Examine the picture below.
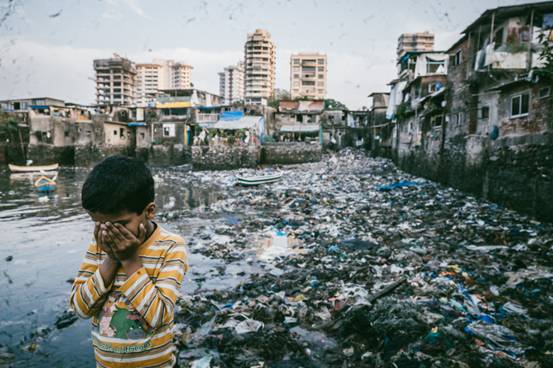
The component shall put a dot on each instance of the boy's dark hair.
(116, 184)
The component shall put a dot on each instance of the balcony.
(206, 118)
(493, 58)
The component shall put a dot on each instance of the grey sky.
(47, 47)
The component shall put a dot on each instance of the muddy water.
(43, 240)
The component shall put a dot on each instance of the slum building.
(379, 134)
(487, 127)
(296, 134)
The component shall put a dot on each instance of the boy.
(131, 275)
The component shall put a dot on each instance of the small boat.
(258, 180)
(45, 184)
(33, 169)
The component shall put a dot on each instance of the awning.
(300, 128)
(137, 124)
(246, 122)
(173, 105)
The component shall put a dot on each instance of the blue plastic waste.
(399, 184)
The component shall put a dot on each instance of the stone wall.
(225, 157)
(44, 154)
(166, 154)
(87, 155)
(516, 173)
(290, 153)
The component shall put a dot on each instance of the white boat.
(257, 180)
(33, 169)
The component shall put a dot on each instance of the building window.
(321, 61)
(460, 118)
(485, 112)
(545, 92)
(115, 132)
(433, 67)
(520, 105)
(454, 119)
(458, 57)
(168, 130)
(498, 38)
(436, 120)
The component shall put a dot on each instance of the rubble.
(416, 274)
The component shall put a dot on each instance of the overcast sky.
(47, 47)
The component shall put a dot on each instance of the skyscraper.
(259, 56)
(308, 75)
(231, 83)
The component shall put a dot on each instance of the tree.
(546, 55)
(331, 104)
(278, 95)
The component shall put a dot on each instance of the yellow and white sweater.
(132, 319)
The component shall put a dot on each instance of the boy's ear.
(150, 211)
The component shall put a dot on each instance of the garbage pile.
(377, 268)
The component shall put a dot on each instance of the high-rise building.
(114, 81)
(308, 75)
(259, 56)
(231, 83)
(158, 75)
(415, 42)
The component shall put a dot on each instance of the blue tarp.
(136, 124)
(40, 107)
(231, 115)
(399, 184)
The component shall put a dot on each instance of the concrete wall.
(290, 153)
(116, 134)
(225, 157)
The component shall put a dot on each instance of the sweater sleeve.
(155, 300)
(89, 293)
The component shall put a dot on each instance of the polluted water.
(347, 262)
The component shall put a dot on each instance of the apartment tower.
(259, 68)
(115, 79)
(415, 42)
(231, 83)
(160, 74)
(308, 76)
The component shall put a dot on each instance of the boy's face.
(130, 220)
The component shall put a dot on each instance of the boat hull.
(32, 169)
(257, 180)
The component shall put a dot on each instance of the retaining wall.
(290, 153)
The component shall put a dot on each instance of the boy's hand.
(123, 242)
(101, 241)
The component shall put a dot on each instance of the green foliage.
(403, 111)
(8, 128)
(273, 103)
(331, 104)
(546, 55)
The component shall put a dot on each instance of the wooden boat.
(258, 180)
(33, 169)
(45, 184)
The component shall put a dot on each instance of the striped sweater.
(132, 319)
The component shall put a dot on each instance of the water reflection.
(44, 237)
